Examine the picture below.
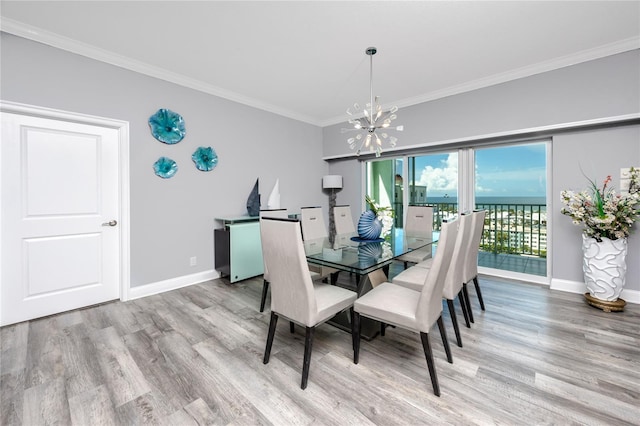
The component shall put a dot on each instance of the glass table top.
(363, 257)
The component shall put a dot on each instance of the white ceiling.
(306, 60)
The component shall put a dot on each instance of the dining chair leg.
(463, 304)
(432, 368)
(445, 341)
(265, 288)
(454, 320)
(466, 298)
(351, 317)
(292, 327)
(272, 332)
(382, 327)
(308, 342)
(475, 282)
(355, 335)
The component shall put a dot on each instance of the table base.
(369, 328)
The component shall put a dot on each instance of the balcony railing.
(508, 228)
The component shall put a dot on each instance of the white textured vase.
(604, 266)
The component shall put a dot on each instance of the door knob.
(110, 223)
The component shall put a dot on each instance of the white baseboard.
(171, 284)
(511, 275)
(630, 296)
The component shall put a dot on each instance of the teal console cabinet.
(238, 249)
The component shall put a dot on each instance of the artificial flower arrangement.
(601, 211)
(385, 214)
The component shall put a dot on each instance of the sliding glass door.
(509, 181)
(511, 184)
(430, 180)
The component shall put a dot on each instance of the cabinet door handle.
(110, 223)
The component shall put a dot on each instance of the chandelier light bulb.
(374, 118)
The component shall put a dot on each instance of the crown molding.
(55, 40)
(520, 134)
(621, 46)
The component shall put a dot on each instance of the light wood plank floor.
(194, 356)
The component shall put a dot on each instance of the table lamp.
(332, 182)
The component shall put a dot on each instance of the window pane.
(433, 181)
(511, 185)
(382, 176)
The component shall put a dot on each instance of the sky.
(513, 171)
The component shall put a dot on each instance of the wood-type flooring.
(193, 356)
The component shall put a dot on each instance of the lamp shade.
(332, 182)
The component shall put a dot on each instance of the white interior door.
(60, 216)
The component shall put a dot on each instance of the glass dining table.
(368, 261)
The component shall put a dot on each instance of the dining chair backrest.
(312, 221)
(292, 294)
(281, 213)
(470, 269)
(419, 221)
(430, 301)
(343, 220)
(454, 279)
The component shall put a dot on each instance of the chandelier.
(372, 127)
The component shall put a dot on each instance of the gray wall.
(597, 153)
(173, 219)
(351, 193)
(589, 91)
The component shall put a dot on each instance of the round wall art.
(167, 126)
(205, 158)
(165, 167)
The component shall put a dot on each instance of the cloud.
(443, 178)
(511, 177)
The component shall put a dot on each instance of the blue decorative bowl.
(167, 126)
(205, 158)
(165, 167)
(369, 226)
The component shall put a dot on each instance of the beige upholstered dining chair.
(312, 222)
(343, 220)
(470, 270)
(313, 228)
(293, 294)
(418, 223)
(411, 309)
(279, 213)
(415, 277)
